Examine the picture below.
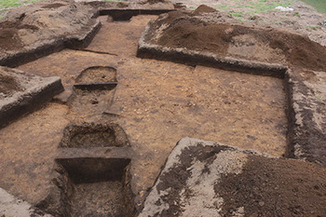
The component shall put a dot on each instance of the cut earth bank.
(137, 111)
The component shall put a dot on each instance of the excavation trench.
(156, 103)
(96, 187)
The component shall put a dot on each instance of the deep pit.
(96, 187)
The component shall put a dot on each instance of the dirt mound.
(201, 33)
(275, 187)
(34, 24)
(204, 9)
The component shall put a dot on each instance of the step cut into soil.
(22, 93)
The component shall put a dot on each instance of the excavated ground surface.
(203, 30)
(274, 187)
(155, 103)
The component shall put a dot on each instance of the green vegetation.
(14, 3)
(313, 27)
(254, 7)
(320, 5)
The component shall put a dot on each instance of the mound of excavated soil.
(275, 187)
(202, 30)
(203, 178)
(42, 22)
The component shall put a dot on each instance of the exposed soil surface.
(183, 30)
(8, 85)
(97, 74)
(156, 103)
(88, 135)
(303, 20)
(96, 187)
(27, 152)
(272, 187)
(9, 38)
(54, 5)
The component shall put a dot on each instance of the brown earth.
(157, 102)
(9, 38)
(8, 85)
(185, 30)
(275, 187)
(304, 20)
(54, 5)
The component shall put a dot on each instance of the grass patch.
(14, 3)
(254, 6)
(320, 5)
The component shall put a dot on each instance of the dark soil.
(188, 32)
(9, 38)
(87, 136)
(204, 9)
(8, 85)
(275, 187)
(54, 5)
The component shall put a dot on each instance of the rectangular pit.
(97, 187)
(93, 135)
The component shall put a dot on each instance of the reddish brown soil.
(273, 187)
(189, 32)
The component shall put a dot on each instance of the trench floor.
(156, 102)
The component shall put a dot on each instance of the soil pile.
(198, 31)
(42, 22)
(275, 187)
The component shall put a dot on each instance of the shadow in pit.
(92, 175)
(127, 14)
(93, 135)
(95, 187)
(97, 78)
